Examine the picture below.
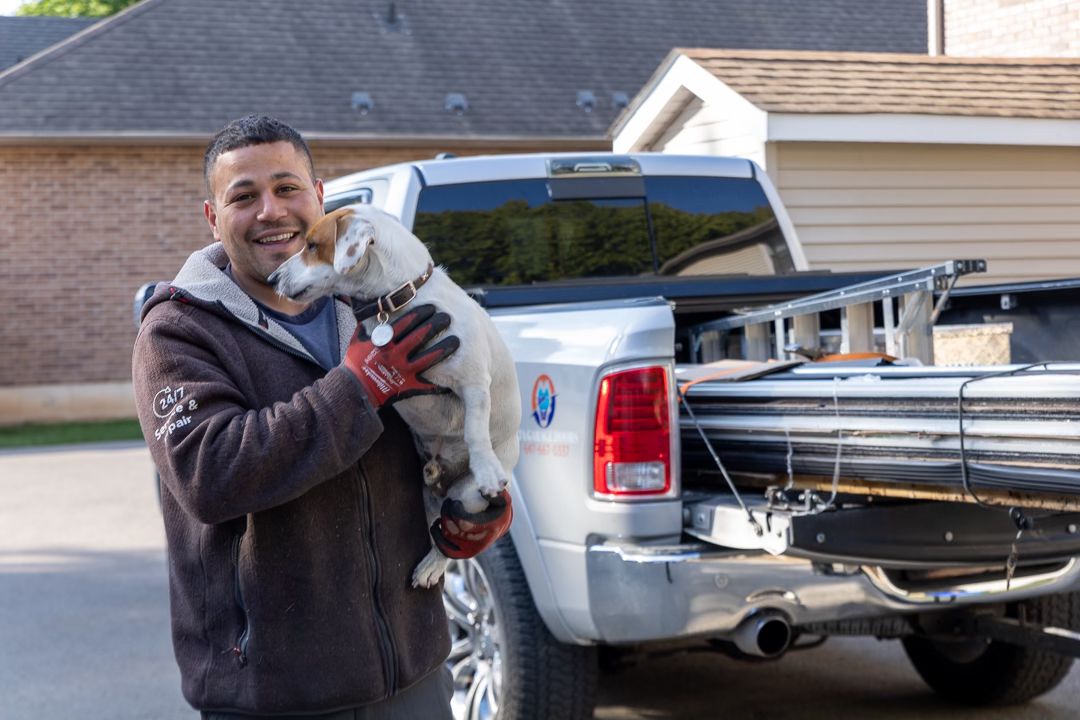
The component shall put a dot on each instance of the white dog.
(469, 437)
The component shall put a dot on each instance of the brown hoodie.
(293, 511)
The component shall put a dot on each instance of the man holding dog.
(291, 491)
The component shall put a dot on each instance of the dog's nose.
(273, 278)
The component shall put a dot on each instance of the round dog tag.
(381, 335)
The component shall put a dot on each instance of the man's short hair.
(251, 130)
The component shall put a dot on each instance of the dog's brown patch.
(322, 237)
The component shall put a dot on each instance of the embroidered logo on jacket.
(175, 408)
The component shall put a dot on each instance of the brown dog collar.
(396, 299)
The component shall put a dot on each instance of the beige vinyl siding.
(869, 206)
(710, 129)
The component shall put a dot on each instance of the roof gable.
(185, 67)
(861, 97)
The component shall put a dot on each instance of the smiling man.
(291, 492)
(262, 199)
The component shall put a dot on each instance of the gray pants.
(428, 699)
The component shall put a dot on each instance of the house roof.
(21, 37)
(185, 67)
(777, 95)
(841, 82)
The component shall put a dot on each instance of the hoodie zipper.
(389, 655)
(240, 649)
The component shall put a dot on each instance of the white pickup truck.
(643, 527)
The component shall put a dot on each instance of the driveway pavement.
(83, 591)
(84, 623)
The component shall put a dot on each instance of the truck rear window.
(512, 232)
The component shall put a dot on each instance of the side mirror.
(141, 296)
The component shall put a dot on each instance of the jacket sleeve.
(222, 460)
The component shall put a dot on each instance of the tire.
(984, 673)
(505, 663)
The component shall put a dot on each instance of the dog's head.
(355, 250)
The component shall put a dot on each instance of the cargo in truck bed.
(1015, 429)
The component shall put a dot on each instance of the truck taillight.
(632, 454)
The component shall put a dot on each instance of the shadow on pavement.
(86, 635)
(845, 678)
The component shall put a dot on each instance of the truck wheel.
(982, 672)
(505, 663)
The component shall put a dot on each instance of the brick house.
(101, 136)
(1004, 28)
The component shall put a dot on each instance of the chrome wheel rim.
(476, 651)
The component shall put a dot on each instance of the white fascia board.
(633, 132)
(943, 129)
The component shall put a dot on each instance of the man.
(291, 492)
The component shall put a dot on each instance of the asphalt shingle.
(21, 37)
(185, 67)
(802, 82)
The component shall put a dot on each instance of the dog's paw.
(490, 477)
(430, 570)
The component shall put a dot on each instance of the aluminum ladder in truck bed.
(911, 337)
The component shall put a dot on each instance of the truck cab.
(521, 219)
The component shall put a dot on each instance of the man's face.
(264, 200)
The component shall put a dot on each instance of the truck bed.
(1016, 432)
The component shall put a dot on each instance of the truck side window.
(358, 196)
(715, 226)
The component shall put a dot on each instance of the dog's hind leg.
(488, 472)
(430, 570)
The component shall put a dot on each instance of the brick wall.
(1012, 28)
(82, 226)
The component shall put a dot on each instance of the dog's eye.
(311, 246)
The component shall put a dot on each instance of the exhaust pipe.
(765, 634)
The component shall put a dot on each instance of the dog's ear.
(353, 237)
(324, 233)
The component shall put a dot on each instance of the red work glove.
(392, 372)
(459, 534)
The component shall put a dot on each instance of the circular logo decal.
(543, 401)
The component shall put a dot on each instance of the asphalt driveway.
(84, 622)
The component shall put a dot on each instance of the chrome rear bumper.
(647, 592)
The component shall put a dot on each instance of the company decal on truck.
(545, 442)
(543, 401)
(552, 443)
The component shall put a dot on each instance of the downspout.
(935, 27)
